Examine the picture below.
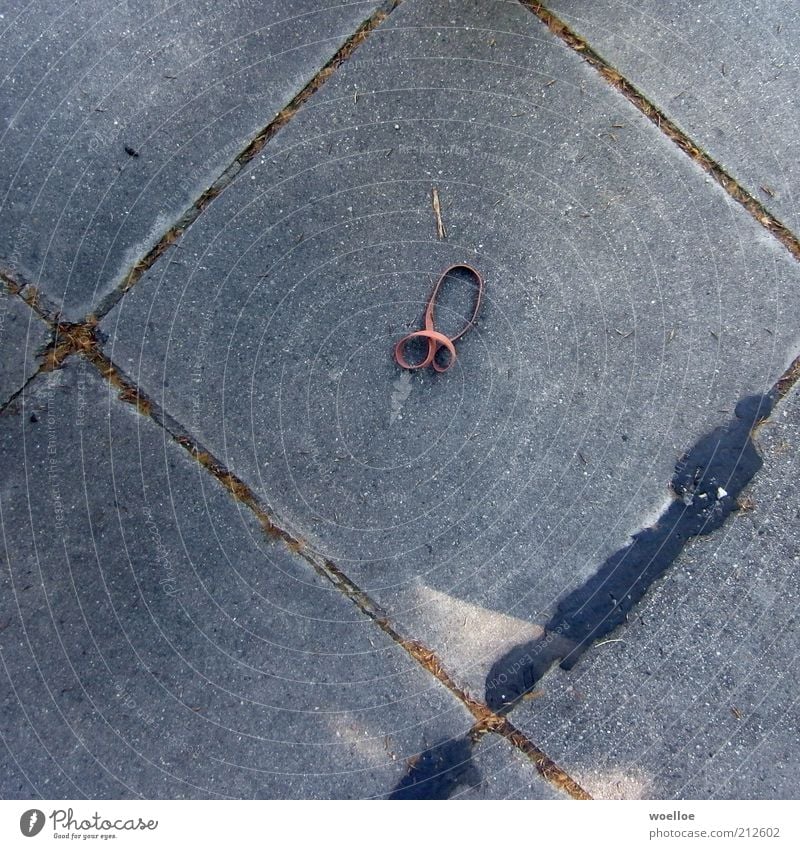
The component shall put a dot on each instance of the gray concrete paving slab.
(116, 117)
(629, 305)
(726, 73)
(154, 643)
(22, 335)
(697, 697)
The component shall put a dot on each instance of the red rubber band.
(437, 340)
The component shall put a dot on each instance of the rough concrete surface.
(115, 117)
(726, 73)
(245, 554)
(154, 643)
(696, 697)
(623, 290)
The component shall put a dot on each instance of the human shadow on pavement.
(705, 487)
(439, 771)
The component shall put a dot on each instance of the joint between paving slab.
(30, 295)
(669, 128)
(788, 379)
(33, 298)
(251, 150)
(81, 340)
(547, 768)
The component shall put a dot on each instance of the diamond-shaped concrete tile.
(697, 697)
(115, 117)
(727, 73)
(154, 643)
(629, 305)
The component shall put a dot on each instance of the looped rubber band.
(435, 339)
